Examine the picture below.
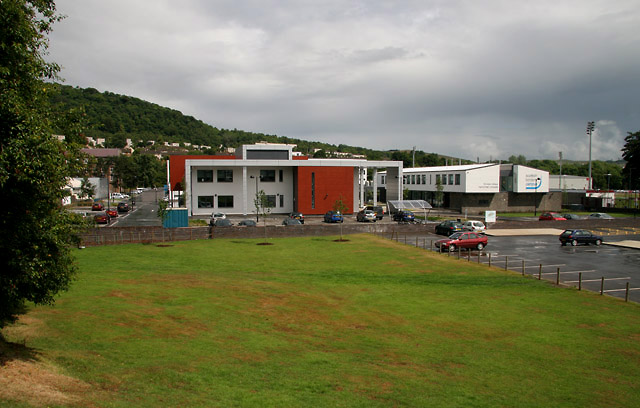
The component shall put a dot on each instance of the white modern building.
(479, 187)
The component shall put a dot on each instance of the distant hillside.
(112, 116)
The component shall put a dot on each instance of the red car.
(102, 218)
(97, 207)
(465, 240)
(551, 216)
(112, 213)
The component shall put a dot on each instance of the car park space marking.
(567, 272)
(598, 280)
(620, 290)
(526, 231)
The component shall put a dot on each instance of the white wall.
(243, 192)
(530, 180)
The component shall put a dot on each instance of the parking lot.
(543, 256)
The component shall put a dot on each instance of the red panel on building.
(319, 187)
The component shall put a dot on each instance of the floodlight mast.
(590, 127)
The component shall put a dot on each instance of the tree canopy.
(631, 154)
(34, 166)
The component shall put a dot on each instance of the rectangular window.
(413, 179)
(438, 179)
(418, 179)
(281, 200)
(205, 176)
(267, 176)
(382, 179)
(205, 201)
(444, 179)
(271, 201)
(457, 179)
(280, 175)
(225, 201)
(313, 190)
(225, 176)
(424, 179)
(450, 179)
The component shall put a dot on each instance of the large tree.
(631, 154)
(36, 231)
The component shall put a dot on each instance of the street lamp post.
(535, 198)
(590, 127)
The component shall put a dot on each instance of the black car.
(222, 222)
(575, 237)
(123, 207)
(291, 221)
(298, 216)
(448, 227)
(404, 216)
(572, 217)
(247, 223)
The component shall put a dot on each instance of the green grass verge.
(313, 322)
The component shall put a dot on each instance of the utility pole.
(414, 157)
(560, 180)
(590, 127)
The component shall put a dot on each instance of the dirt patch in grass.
(35, 383)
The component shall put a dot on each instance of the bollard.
(459, 252)
(489, 259)
(580, 281)
(431, 246)
(405, 239)
(417, 246)
(558, 276)
(478, 256)
(468, 255)
(540, 272)
(626, 295)
(506, 263)
(523, 267)
(602, 286)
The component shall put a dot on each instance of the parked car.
(376, 209)
(404, 216)
(476, 226)
(102, 218)
(123, 207)
(298, 216)
(466, 240)
(119, 196)
(600, 216)
(551, 216)
(247, 223)
(112, 213)
(577, 236)
(572, 217)
(366, 216)
(217, 216)
(448, 227)
(97, 207)
(222, 222)
(333, 216)
(291, 221)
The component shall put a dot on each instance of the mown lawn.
(313, 322)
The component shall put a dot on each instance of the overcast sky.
(472, 79)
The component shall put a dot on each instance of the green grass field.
(313, 322)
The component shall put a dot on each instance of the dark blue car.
(404, 216)
(333, 216)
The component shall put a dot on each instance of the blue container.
(176, 218)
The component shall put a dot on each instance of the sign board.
(489, 216)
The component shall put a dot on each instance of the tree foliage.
(34, 166)
(631, 154)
